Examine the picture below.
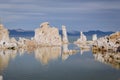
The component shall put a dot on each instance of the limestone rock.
(4, 35)
(47, 36)
(82, 39)
(26, 43)
(94, 37)
(64, 32)
(111, 42)
(13, 40)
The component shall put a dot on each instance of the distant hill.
(98, 32)
(89, 33)
(21, 32)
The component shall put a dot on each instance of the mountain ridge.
(21, 32)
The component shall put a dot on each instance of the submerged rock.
(47, 36)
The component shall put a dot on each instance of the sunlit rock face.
(4, 35)
(111, 42)
(64, 32)
(5, 41)
(47, 36)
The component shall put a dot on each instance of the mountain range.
(21, 32)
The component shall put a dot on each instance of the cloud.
(85, 11)
(58, 7)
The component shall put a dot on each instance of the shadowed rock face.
(47, 36)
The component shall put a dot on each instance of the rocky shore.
(49, 36)
(45, 36)
(107, 43)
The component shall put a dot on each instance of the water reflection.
(1, 77)
(46, 54)
(83, 48)
(110, 58)
(5, 56)
(42, 54)
(82, 51)
(67, 52)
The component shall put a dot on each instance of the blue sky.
(80, 15)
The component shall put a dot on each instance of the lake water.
(50, 63)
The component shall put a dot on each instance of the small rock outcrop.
(64, 33)
(82, 39)
(47, 36)
(4, 34)
(94, 37)
(107, 43)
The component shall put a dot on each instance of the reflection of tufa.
(66, 52)
(84, 50)
(1, 77)
(5, 56)
(108, 58)
(46, 54)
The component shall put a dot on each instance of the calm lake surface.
(48, 63)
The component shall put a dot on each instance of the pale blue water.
(45, 64)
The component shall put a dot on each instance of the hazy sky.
(80, 15)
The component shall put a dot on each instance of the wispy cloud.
(61, 10)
